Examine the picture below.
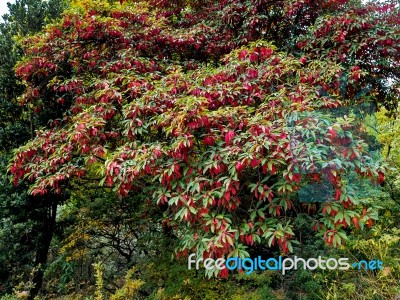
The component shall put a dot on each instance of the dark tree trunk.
(43, 246)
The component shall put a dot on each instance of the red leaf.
(242, 55)
(252, 73)
(296, 178)
(229, 136)
(273, 169)
(109, 181)
(227, 196)
(224, 273)
(332, 133)
(355, 222)
(116, 171)
(338, 193)
(239, 166)
(253, 57)
(381, 177)
(208, 140)
(254, 162)
(265, 52)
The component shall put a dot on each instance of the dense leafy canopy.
(187, 105)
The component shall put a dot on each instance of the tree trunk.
(43, 246)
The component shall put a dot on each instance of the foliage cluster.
(146, 130)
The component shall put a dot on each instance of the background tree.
(26, 222)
